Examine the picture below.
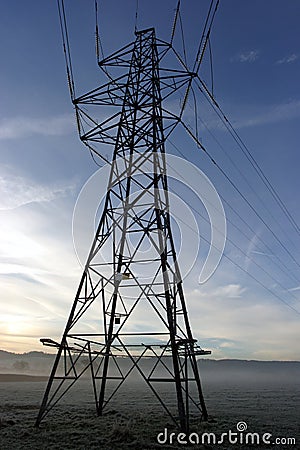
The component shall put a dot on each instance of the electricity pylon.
(131, 291)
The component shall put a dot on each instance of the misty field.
(267, 400)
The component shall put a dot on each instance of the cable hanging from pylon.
(136, 16)
(175, 22)
(205, 35)
(98, 43)
(66, 46)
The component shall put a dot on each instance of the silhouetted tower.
(131, 292)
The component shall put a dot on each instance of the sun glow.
(18, 245)
(14, 324)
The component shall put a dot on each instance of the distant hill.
(12, 377)
(212, 371)
(36, 363)
(249, 371)
(4, 353)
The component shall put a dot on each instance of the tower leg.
(44, 404)
(192, 355)
(106, 359)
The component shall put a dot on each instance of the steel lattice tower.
(131, 274)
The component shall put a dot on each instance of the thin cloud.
(246, 57)
(230, 291)
(256, 116)
(17, 191)
(21, 127)
(272, 114)
(21, 276)
(247, 324)
(297, 288)
(251, 248)
(288, 59)
(262, 253)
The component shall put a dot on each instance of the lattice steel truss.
(131, 292)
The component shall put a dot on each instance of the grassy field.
(268, 402)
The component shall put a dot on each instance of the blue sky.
(43, 165)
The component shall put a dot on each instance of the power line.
(228, 204)
(234, 262)
(97, 37)
(201, 146)
(211, 67)
(244, 148)
(136, 16)
(66, 46)
(205, 36)
(284, 269)
(237, 168)
(201, 48)
(246, 271)
(242, 175)
(182, 38)
(175, 22)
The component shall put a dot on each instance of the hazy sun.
(14, 324)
